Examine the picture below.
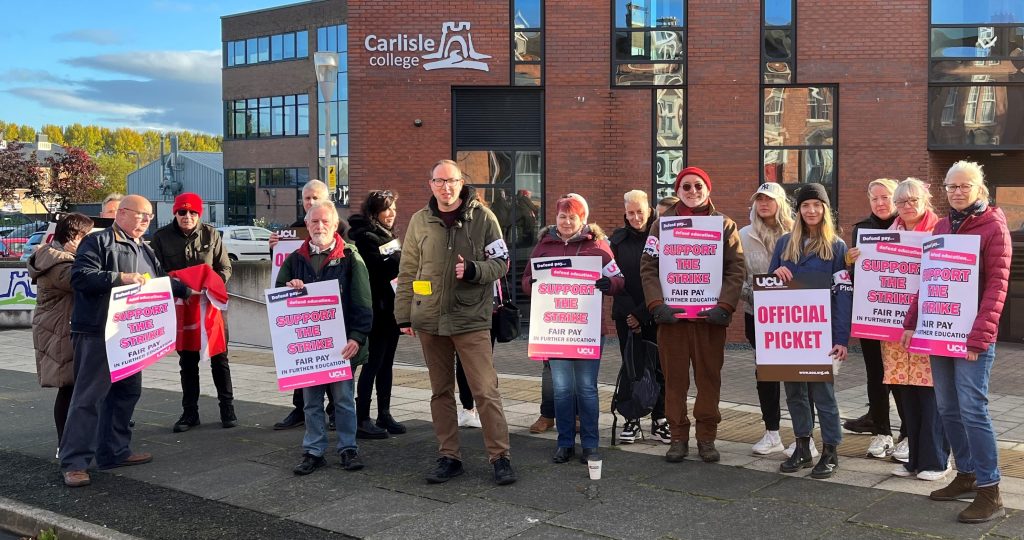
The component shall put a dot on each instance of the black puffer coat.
(382, 253)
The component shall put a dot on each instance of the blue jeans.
(961, 393)
(315, 440)
(575, 387)
(799, 396)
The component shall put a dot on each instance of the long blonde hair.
(819, 244)
(783, 224)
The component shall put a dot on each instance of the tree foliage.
(16, 172)
(71, 178)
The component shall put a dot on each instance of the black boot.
(367, 430)
(189, 419)
(386, 421)
(227, 415)
(801, 458)
(827, 463)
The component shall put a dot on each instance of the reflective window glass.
(799, 166)
(276, 47)
(670, 117)
(969, 116)
(778, 72)
(301, 44)
(649, 74)
(239, 53)
(303, 119)
(527, 14)
(343, 38)
(253, 54)
(970, 42)
(649, 13)
(288, 46)
(527, 46)
(656, 45)
(778, 12)
(229, 53)
(289, 120)
(264, 48)
(527, 75)
(778, 43)
(798, 116)
(977, 11)
(667, 164)
(971, 70)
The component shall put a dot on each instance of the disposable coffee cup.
(594, 468)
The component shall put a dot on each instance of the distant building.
(197, 172)
(43, 148)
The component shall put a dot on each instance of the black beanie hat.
(812, 191)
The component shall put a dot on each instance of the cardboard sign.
(888, 274)
(142, 326)
(948, 300)
(307, 330)
(290, 240)
(793, 327)
(565, 308)
(690, 262)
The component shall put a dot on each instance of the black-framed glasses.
(141, 216)
(906, 202)
(438, 182)
(183, 212)
(696, 186)
(952, 188)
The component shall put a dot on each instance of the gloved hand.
(664, 314)
(604, 284)
(716, 315)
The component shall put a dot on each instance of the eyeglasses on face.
(141, 216)
(696, 186)
(183, 212)
(962, 188)
(908, 202)
(438, 182)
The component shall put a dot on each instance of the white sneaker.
(630, 432)
(792, 448)
(902, 451)
(769, 443)
(661, 431)
(469, 418)
(881, 446)
(932, 476)
(901, 471)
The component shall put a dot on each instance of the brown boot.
(963, 484)
(542, 424)
(707, 451)
(677, 451)
(987, 506)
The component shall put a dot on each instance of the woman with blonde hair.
(814, 248)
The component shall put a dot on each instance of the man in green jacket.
(453, 254)
(323, 257)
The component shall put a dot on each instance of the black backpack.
(637, 388)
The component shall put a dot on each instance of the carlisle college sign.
(454, 50)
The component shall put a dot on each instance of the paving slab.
(913, 513)
(828, 495)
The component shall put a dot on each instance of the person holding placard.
(961, 384)
(699, 341)
(771, 216)
(876, 420)
(814, 247)
(374, 234)
(323, 257)
(574, 380)
(908, 374)
(97, 424)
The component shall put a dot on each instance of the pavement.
(215, 483)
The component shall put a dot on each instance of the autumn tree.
(16, 172)
(54, 133)
(72, 177)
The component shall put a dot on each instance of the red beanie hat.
(692, 170)
(188, 201)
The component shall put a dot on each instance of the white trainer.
(792, 448)
(770, 442)
(901, 471)
(902, 451)
(932, 476)
(469, 418)
(881, 446)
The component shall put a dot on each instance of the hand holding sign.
(664, 314)
(131, 278)
(784, 274)
(350, 349)
(460, 267)
(716, 315)
(295, 284)
(838, 352)
(604, 284)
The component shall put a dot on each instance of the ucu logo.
(336, 374)
(953, 347)
(288, 233)
(768, 281)
(586, 350)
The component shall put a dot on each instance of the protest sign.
(290, 240)
(307, 330)
(793, 327)
(888, 273)
(565, 308)
(948, 300)
(690, 262)
(142, 326)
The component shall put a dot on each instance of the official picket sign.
(565, 308)
(142, 326)
(307, 331)
(291, 239)
(888, 274)
(793, 327)
(948, 302)
(690, 262)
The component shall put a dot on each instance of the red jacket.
(200, 323)
(994, 267)
(591, 241)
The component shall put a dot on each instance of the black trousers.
(929, 450)
(878, 393)
(650, 333)
(377, 371)
(768, 392)
(188, 361)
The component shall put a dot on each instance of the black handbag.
(506, 319)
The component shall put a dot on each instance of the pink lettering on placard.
(697, 235)
(952, 256)
(309, 301)
(899, 249)
(575, 274)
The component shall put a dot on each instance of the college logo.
(454, 50)
(16, 289)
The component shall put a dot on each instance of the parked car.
(246, 243)
(33, 242)
(13, 246)
(4, 231)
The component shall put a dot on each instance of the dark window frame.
(230, 64)
(792, 26)
(512, 45)
(684, 62)
(232, 218)
(231, 108)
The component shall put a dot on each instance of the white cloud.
(96, 36)
(202, 67)
(22, 75)
(68, 100)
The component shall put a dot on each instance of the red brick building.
(538, 98)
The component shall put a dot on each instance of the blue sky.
(144, 64)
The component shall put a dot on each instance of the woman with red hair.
(575, 380)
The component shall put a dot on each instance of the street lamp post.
(138, 160)
(326, 65)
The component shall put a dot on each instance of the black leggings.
(60, 408)
(878, 392)
(378, 371)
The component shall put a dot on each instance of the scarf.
(702, 210)
(927, 223)
(957, 218)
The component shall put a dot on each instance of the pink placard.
(313, 379)
(938, 347)
(547, 351)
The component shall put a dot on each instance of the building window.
(335, 39)
(778, 46)
(527, 43)
(284, 177)
(261, 49)
(649, 43)
(798, 143)
(275, 116)
(975, 86)
(240, 200)
(669, 139)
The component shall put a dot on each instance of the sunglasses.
(183, 213)
(696, 187)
